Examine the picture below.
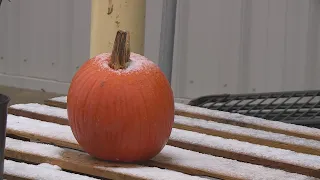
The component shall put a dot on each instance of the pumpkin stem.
(120, 56)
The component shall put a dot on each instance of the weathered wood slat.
(23, 171)
(247, 121)
(47, 113)
(60, 102)
(77, 161)
(260, 137)
(42, 112)
(228, 118)
(186, 161)
(61, 135)
(82, 162)
(51, 133)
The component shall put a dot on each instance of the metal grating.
(296, 107)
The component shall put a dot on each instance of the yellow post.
(108, 16)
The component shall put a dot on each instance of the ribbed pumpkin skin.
(120, 115)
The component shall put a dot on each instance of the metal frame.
(167, 36)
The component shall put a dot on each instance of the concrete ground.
(18, 95)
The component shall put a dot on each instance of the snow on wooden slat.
(39, 111)
(288, 160)
(18, 170)
(54, 133)
(60, 102)
(62, 99)
(59, 115)
(227, 118)
(248, 135)
(174, 158)
(81, 162)
(247, 121)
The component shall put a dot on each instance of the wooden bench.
(204, 144)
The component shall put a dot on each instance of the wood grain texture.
(17, 170)
(273, 163)
(161, 160)
(203, 149)
(231, 153)
(52, 102)
(302, 148)
(71, 160)
(33, 115)
(83, 163)
(247, 125)
(252, 139)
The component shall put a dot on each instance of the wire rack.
(296, 107)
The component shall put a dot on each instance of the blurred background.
(217, 46)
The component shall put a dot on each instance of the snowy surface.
(42, 109)
(46, 150)
(152, 173)
(248, 119)
(211, 164)
(259, 151)
(180, 157)
(247, 132)
(39, 172)
(51, 130)
(62, 99)
(49, 166)
(62, 113)
(237, 118)
(64, 133)
(137, 63)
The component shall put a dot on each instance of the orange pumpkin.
(120, 105)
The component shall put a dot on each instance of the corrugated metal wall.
(221, 46)
(228, 46)
(42, 42)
